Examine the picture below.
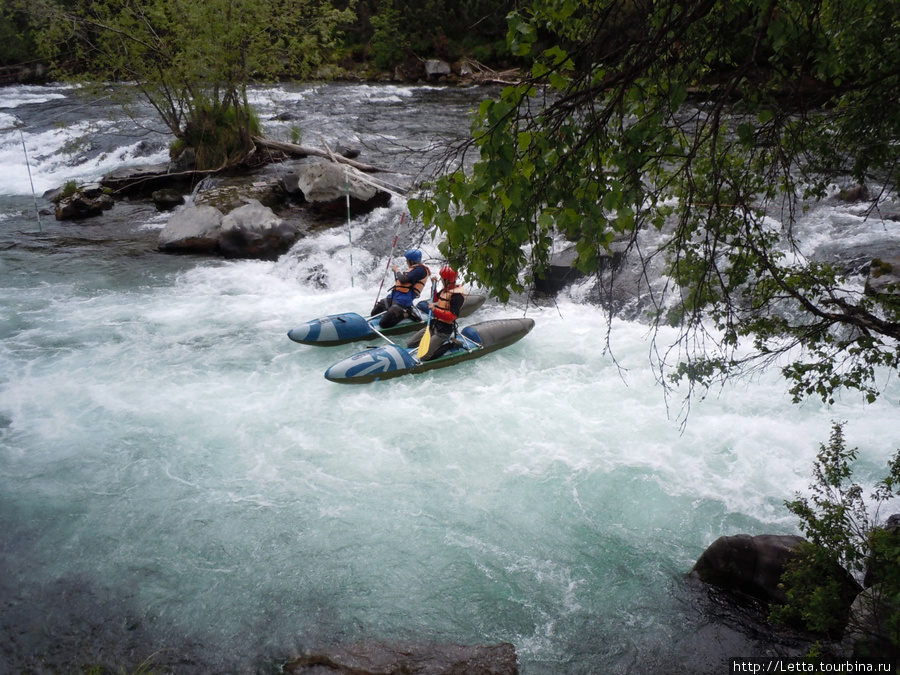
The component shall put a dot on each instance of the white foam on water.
(17, 96)
(54, 157)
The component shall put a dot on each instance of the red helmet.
(448, 274)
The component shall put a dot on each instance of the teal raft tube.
(339, 329)
(393, 360)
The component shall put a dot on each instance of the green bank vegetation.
(192, 61)
(845, 534)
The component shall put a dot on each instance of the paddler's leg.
(379, 307)
(392, 316)
(415, 339)
(439, 337)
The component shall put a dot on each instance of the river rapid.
(179, 483)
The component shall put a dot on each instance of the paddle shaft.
(425, 342)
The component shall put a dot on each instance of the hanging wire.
(37, 212)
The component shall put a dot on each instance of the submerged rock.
(720, 625)
(167, 199)
(389, 658)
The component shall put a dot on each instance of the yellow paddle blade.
(424, 344)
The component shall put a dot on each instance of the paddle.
(390, 259)
(425, 342)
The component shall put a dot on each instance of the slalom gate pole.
(349, 232)
(391, 257)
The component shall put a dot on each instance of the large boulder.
(254, 231)
(387, 658)
(559, 273)
(325, 186)
(869, 627)
(79, 207)
(194, 229)
(249, 231)
(748, 564)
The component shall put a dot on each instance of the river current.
(179, 482)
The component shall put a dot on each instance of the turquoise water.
(164, 441)
(176, 474)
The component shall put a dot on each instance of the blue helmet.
(414, 255)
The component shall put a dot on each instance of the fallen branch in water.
(304, 151)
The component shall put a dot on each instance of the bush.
(389, 44)
(845, 542)
(219, 135)
(819, 591)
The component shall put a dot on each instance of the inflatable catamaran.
(393, 360)
(338, 329)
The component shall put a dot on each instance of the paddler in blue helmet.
(398, 303)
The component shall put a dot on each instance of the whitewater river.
(177, 477)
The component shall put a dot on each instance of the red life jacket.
(442, 311)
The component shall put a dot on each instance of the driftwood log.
(305, 151)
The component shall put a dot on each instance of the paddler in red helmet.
(445, 306)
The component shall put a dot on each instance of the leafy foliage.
(708, 122)
(191, 60)
(818, 598)
(16, 39)
(432, 28)
(217, 135)
(389, 44)
(835, 516)
(843, 538)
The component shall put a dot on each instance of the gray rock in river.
(195, 229)
(884, 276)
(748, 564)
(325, 185)
(250, 231)
(254, 231)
